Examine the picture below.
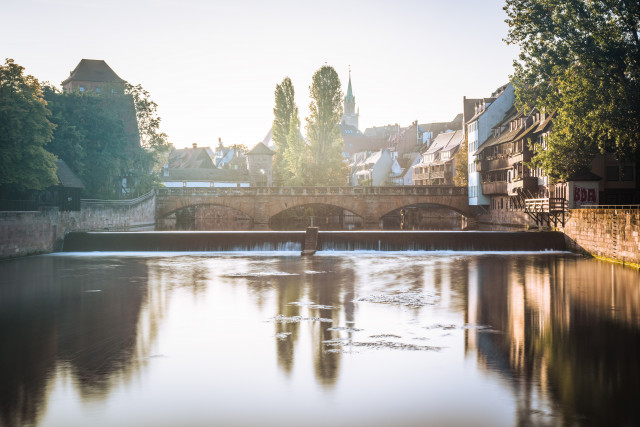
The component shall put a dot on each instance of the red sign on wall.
(584, 196)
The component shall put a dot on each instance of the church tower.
(350, 116)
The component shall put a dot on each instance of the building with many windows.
(487, 113)
(437, 165)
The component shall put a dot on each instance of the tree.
(107, 138)
(284, 113)
(580, 59)
(296, 156)
(25, 129)
(461, 173)
(99, 150)
(155, 143)
(326, 166)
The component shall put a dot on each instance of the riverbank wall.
(608, 232)
(34, 232)
(611, 233)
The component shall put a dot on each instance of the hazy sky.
(212, 66)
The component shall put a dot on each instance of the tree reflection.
(27, 341)
(57, 312)
(318, 288)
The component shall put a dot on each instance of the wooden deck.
(546, 211)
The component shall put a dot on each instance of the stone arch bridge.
(262, 203)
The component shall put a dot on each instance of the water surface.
(348, 339)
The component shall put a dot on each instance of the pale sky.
(212, 66)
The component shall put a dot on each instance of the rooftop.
(93, 70)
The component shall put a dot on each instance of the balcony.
(494, 164)
(520, 157)
(497, 187)
(527, 184)
(420, 176)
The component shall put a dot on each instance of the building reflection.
(566, 335)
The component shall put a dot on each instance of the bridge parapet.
(408, 190)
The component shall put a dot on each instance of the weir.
(221, 241)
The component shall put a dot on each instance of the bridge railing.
(314, 191)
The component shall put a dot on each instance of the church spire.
(349, 97)
(349, 116)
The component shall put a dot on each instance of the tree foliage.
(581, 59)
(25, 129)
(326, 166)
(91, 139)
(296, 157)
(106, 138)
(461, 173)
(155, 143)
(284, 112)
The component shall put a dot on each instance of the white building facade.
(489, 112)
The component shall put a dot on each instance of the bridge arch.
(426, 205)
(205, 216)
(423, 216)
(325, 215)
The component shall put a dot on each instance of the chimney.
(195, 145)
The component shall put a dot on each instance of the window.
(627, 173)
(97, 90)
(81, 88)
(613, 173)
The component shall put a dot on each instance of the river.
(341, 338)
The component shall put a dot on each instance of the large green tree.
(326, 165)
(25, 129)
(107, 138)
(90, 137)
(284, 112)
(155, 143)
(296, 156)
(581, 59)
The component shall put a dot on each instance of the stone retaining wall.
(505, 217)
(612, 233)
(28, 233)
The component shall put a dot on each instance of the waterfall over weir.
(221, 241)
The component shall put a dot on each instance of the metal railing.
(621, 207)
(128, 202)
(19, 205)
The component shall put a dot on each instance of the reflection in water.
(570, 340)
(375, 339)
(66, 315)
